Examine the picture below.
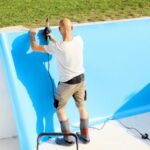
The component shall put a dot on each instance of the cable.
(144, 136)
(46, 31)
(52, 83)
(102, 127)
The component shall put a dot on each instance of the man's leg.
(62, 96)
(80, 97)
(84, 123)
(64, 124)
(61, 114)
(83, 112)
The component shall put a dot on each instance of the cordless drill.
(47, 31)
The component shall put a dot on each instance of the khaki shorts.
(65, 91)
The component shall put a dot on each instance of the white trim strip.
(113, 21)
(90, 23)
(106, 22)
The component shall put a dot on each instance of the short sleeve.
(53, 48)
(50, 48)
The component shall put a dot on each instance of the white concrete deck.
(112, 137)
(9, 144)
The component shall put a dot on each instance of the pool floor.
(112, 136)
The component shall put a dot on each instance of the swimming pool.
(117, 74)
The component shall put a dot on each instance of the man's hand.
(33, 31)
(53, 38)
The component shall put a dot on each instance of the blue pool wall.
(117, 75)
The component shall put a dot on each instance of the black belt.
(76, 79)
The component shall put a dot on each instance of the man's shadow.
(32, 73)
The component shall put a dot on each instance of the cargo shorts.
(65, 91)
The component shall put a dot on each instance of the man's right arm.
(35, 46)
(53, 39)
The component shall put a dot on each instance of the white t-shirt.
(69, 55)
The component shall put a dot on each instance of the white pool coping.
(113, 136)
(22, 28)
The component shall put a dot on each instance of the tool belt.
(76, 79)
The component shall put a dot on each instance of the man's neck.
(67, 37)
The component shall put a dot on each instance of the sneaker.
(63, 142)
(83, 139)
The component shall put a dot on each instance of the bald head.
(65, 25)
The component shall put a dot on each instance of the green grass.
(32, 13)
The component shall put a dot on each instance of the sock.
(65, 128)
(84, 128)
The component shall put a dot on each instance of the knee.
(80, 104)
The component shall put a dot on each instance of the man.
(69, 56)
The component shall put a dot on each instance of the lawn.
(32, 13)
